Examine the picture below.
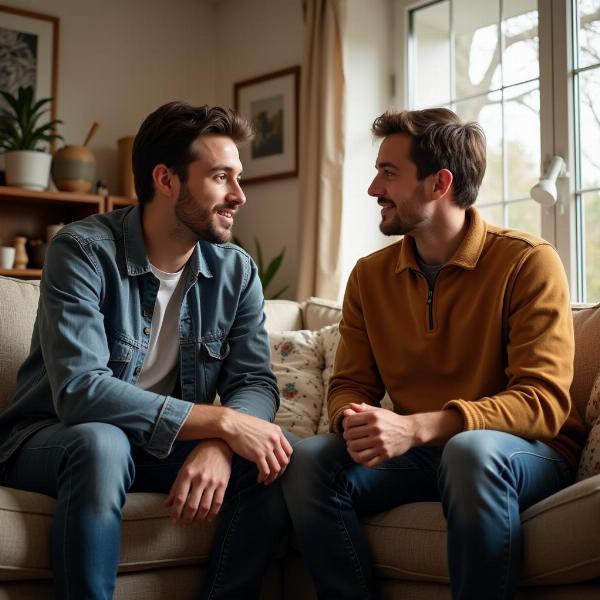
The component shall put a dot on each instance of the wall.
(119, 60)
(368, 68)
(254, 38)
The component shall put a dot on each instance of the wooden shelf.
(113, 202)
(28, 213)
(31, 196)
(22, 273)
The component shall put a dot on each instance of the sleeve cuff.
(473, 419)
(172, 416)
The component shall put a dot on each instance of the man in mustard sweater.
(468, 328)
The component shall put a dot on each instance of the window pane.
(487, 111)
(589, 32)
(591, 219)
(522, 133)
(520, 36)
(431, 47)
(492, 214)
(525, 216)
(476, 47)
(589, 127)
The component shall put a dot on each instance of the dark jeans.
(483, 479)
(89, 468)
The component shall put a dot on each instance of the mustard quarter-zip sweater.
(492, 339)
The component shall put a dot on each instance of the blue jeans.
(483, 479)
(89, 468)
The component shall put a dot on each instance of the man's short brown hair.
(166, 137)
(441, 140)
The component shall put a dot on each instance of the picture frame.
(29, 51)
(270, 102)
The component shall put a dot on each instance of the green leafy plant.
(19, 129)
(266, 274)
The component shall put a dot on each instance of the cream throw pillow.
(589, 464)
(297, 362)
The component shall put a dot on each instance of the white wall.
(368, 69)
(121, 59)
(254, 38)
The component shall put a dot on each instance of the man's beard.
(200, 221)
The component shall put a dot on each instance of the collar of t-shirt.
(430, 271)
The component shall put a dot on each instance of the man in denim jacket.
(145, 314)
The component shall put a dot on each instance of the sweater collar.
(467, 254)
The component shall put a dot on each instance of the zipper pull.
(430, 297)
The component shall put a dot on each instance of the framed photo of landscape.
(270, 102)
(28, 53)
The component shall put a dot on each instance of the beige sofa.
(159, 560)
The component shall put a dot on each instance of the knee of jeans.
(468, 455)
(313, 457)
(101, 451)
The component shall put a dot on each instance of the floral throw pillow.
(329, 338)
(297, 364)
(589, 464)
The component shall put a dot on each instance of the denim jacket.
(92, 331)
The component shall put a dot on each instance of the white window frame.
(557, 134)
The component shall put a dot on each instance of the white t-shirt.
(159, 371)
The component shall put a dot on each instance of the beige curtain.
(321, 149)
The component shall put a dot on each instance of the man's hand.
(258, 441)
(198, 491)
(374, 435)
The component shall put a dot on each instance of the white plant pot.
(27, 169)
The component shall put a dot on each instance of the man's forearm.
(436, 428)
(205, 421)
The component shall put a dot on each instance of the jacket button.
(138, 370)
(147, 312)
(147, 330)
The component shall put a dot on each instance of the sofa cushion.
(409, 542)
(297, 362)
(586, 323)
(149, 539)
(18, 307)
(318, 313)
(283, 315)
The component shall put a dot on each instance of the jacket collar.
(135, 249)
(466, 255)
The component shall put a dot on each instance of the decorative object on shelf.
(101, 188)
(36, 250)
(52, 230)
(21, 258)
(7, 257)
(271, 103)
(26, 161)
(265, 274)
(74, 167)
(126, 185)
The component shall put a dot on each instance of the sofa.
(160, 560)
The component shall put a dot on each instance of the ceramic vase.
(74, 169)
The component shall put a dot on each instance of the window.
(482, 59)
(586, 81)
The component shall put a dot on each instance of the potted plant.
(27, 162)
(266, 273)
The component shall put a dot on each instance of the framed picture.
(28, 53)
(270, 102)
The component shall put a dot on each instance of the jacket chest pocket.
(121, 355)
(212, 355)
